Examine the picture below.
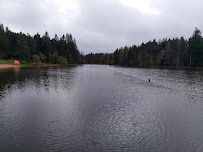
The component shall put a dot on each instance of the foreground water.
(100, 108)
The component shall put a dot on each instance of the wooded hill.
(176, 52)
(23, 47)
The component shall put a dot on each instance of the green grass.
(6, 62)
(10, 62)
(26, 64)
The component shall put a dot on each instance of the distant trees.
(46, 45)
(167, 52)
(174, 52)
(99, 58)
(22, 51)
(22, 47)
(4, 48)
(195, 50)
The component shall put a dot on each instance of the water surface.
(101, 108)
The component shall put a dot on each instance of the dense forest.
(177, 52)
(39, 48)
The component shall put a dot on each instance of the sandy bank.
(2, 66)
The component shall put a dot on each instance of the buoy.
(149, 80)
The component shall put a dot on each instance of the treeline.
(99, 58)
(38, 48)
(167, 52)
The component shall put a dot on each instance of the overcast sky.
(104, 25)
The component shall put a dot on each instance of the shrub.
(36, 59)
(62, 61)
(42, 57)
(57, 59)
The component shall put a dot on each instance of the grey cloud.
(103, 25)
(22, 15)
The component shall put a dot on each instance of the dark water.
(101, 108)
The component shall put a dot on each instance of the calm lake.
(101, 108)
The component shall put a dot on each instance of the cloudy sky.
(104, 25)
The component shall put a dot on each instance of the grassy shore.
(9, 63)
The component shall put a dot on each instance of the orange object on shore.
(16, 62)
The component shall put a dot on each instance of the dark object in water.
(149, 80)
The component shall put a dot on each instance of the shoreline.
(166, 67)
(153, 67)
(4, 66)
